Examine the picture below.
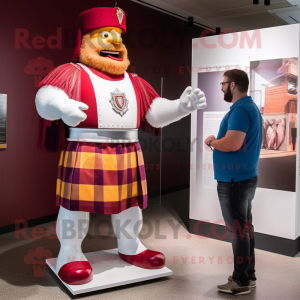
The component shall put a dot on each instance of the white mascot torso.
(125, 105)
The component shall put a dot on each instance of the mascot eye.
(105, 34)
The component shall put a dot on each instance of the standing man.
(236, 154)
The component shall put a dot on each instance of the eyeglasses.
(222, 83)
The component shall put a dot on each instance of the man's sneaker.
(252, 283)
(234, 287)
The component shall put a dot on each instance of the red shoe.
(76, 272)
(147, 259)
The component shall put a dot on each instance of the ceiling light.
(190, 21)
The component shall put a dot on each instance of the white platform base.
(110, 271)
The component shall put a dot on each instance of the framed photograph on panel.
(3, 117)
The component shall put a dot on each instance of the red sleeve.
(66, 77)
(145, 94)
(51, 134)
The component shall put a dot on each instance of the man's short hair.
(240, 78)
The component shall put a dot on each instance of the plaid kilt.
(102, 178)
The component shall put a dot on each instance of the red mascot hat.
(98, 17)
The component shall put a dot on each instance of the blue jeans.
(236, 203)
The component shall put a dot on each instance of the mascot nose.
(116, 38)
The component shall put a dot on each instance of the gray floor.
(278, 276)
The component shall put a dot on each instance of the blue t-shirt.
(239, 165)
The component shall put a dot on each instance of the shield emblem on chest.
(119, 102)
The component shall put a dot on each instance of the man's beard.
(227, 95)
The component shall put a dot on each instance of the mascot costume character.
(101, 168)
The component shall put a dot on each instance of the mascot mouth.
(114, 55)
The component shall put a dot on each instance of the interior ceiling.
(235, 14)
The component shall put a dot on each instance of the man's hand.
(71, 112)
(231, 142)
(208, 139)
(192, 100)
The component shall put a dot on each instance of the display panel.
(276, 204)
(274, 88)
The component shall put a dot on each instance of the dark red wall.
(159, 45)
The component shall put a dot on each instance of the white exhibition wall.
(275, 211)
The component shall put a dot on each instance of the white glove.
(192, 100)
(53, 103)
(163, 112)
(71, 112)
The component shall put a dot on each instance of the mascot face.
(102, 49)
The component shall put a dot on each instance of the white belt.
(103, 135)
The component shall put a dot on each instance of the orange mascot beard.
(90, 55)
